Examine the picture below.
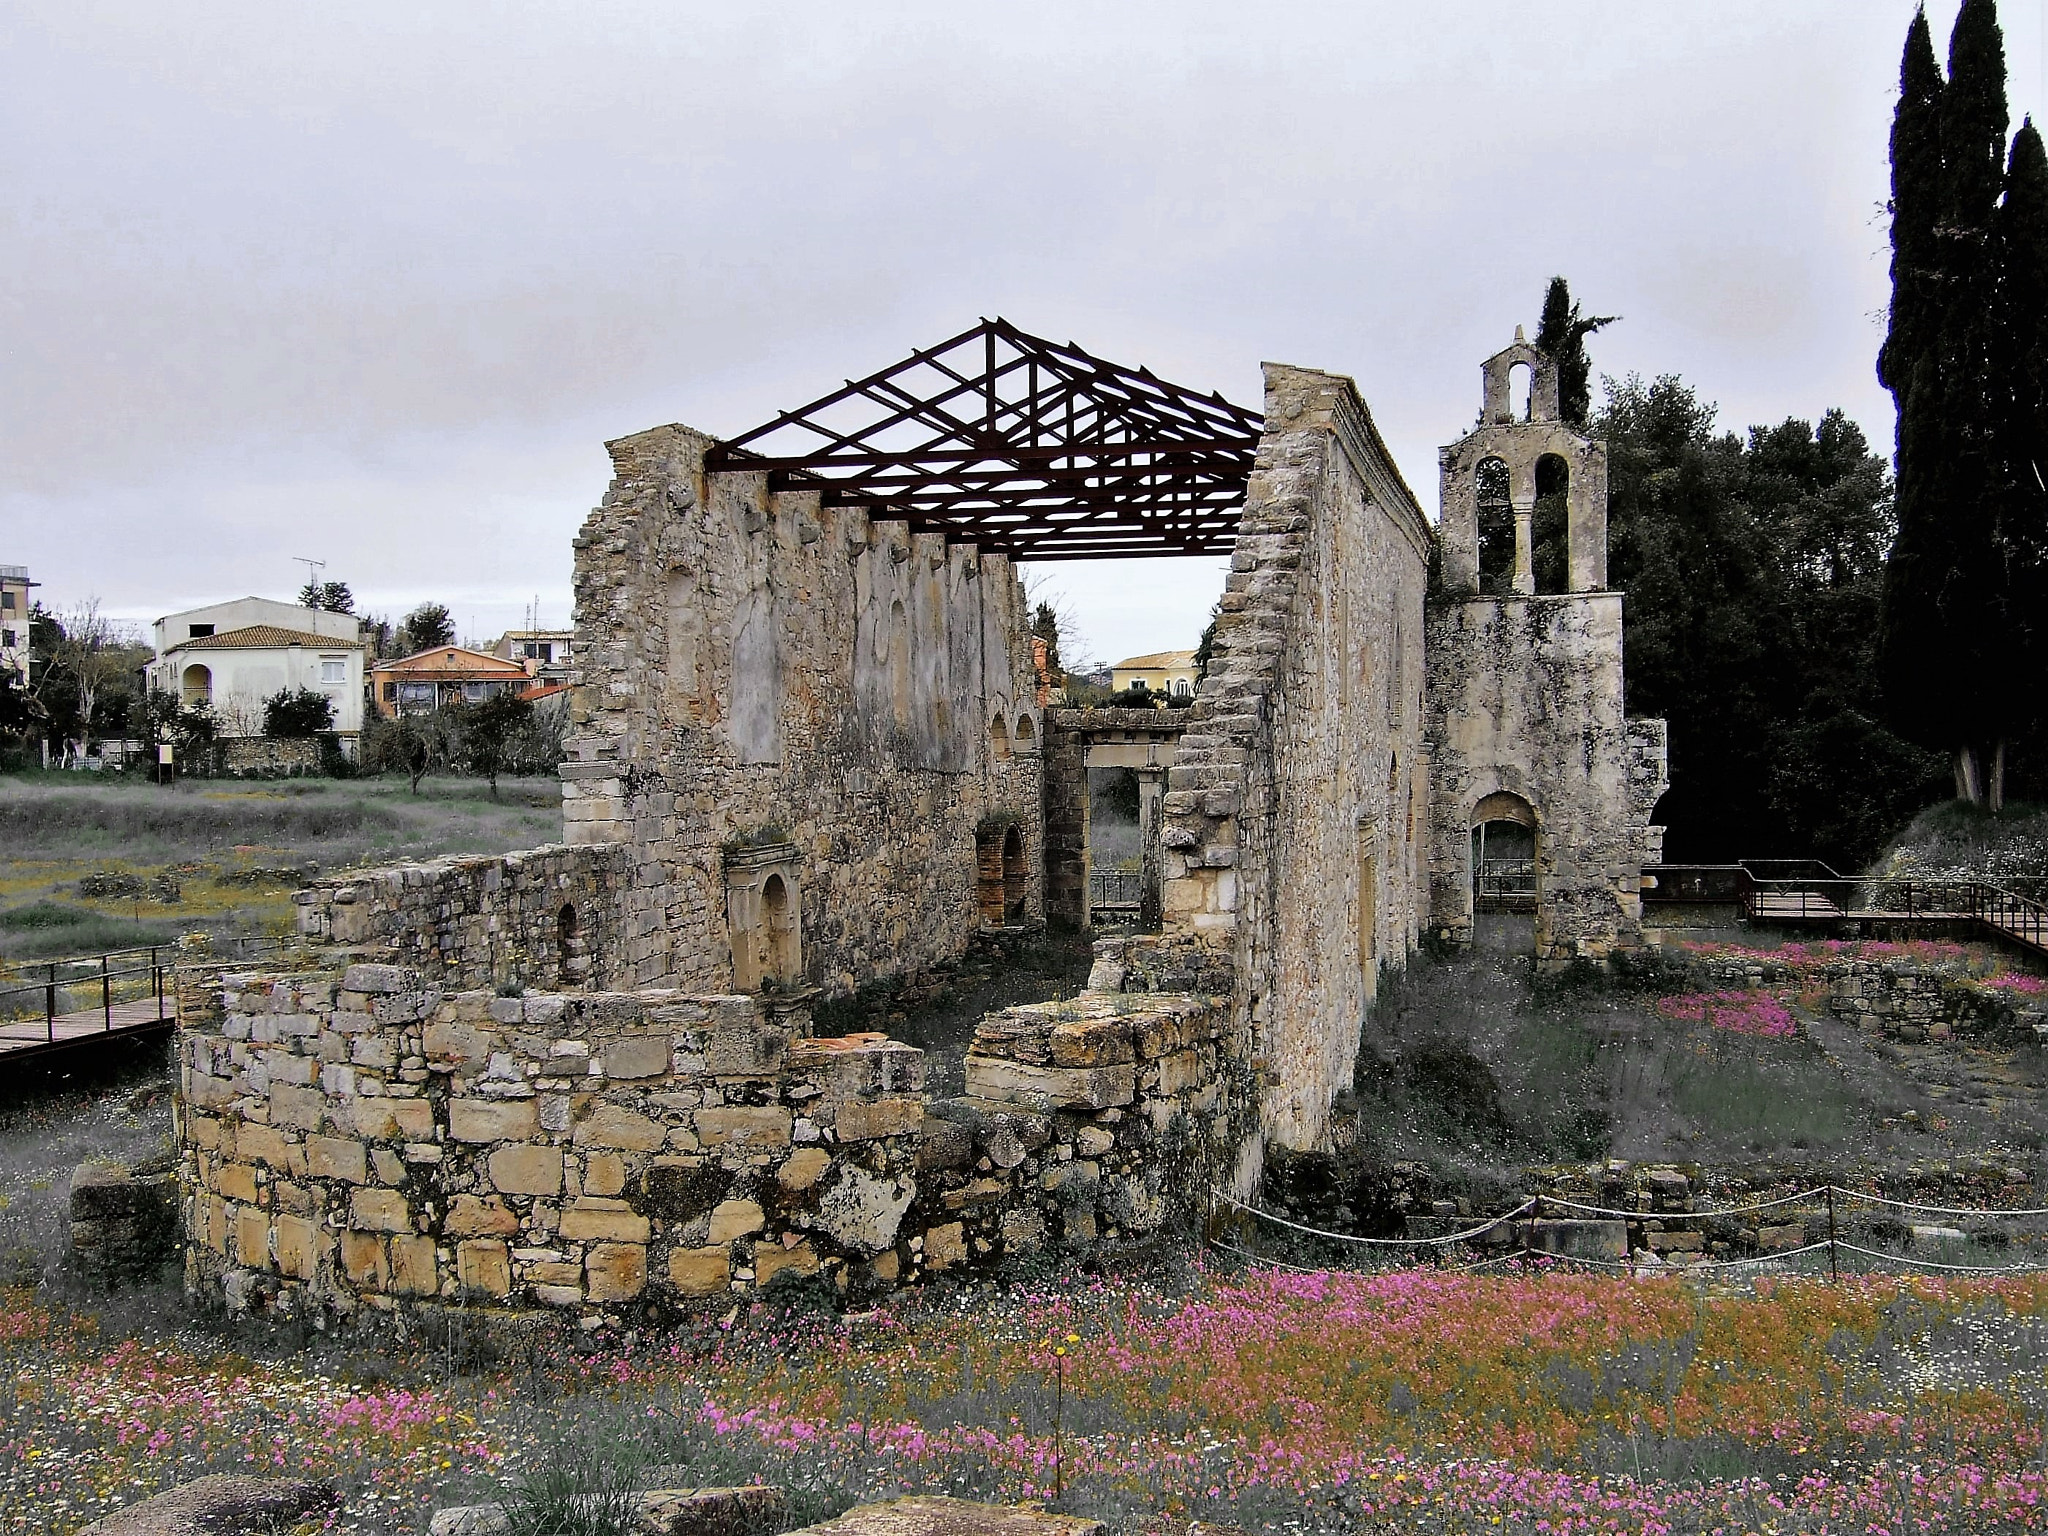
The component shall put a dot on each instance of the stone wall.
(1525, 701)
(756, 668)
(1292, 819)
(266, 757)
(547, 917)
(365, 1140)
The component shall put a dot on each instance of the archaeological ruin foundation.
(812, 751)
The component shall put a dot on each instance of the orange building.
(440, 676)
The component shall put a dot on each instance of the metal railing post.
(1834, 1256)
(50, 1003)
(106, 994)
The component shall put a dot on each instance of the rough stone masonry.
(807, 755)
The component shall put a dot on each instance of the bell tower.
(1541, 788)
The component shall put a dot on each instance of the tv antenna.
(313, 569)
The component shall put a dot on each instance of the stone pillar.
(1525, 546)
(1151, 790)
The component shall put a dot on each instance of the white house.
(232, 656)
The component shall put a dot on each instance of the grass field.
(1469, 1066)
(233, 851)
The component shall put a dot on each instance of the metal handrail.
(51, 987)
(1979, 901)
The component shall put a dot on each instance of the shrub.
(297, 714)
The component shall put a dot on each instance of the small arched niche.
(764, 916)
(780, 965)
(572, 950)
(1550, 528)
(998, 739)
(1027, 735)
(1495, 517)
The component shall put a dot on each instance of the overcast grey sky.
(373, 283)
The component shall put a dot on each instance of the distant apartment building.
(231, 657)
(545, 653)
(14, 646)
(443, 675)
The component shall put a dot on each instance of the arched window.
(1550, 529)
(1013, 875)
(1496, 518)
(1027, 738)
(197, 686)
(998, 739)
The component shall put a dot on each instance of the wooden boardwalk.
(122, 1021)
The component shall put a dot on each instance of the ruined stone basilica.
(810, 752)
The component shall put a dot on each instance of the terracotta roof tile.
(263, 637)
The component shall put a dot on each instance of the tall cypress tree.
(2021, 365)
(1948, 646)
(1916, 208)
(1562, 333)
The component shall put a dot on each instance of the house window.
(390, 693)
(476, 693)
(415, 693)
(333, 670)
(1183, 689)
(6, 602)
(7, 638)
(199, 631)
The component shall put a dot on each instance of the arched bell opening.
(1550, 527)
(1496, 524)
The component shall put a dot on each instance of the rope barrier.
(1941, 1210)
(1719, 1210)
(1959, 1269)
(1833, 1244)
(1377, 1242)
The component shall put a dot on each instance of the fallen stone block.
(1938, 1237)
(662, 1512)
(225, 1504)
(1576, 1239)
(951, 1517)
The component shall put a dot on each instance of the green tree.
(1915, 210)
(333, 596)
(424, 628)
(1955, 677)
(1045, 624)
(163, 719)
(1561, 334)
(491, 731)
(1753, 569)
(297, 713)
